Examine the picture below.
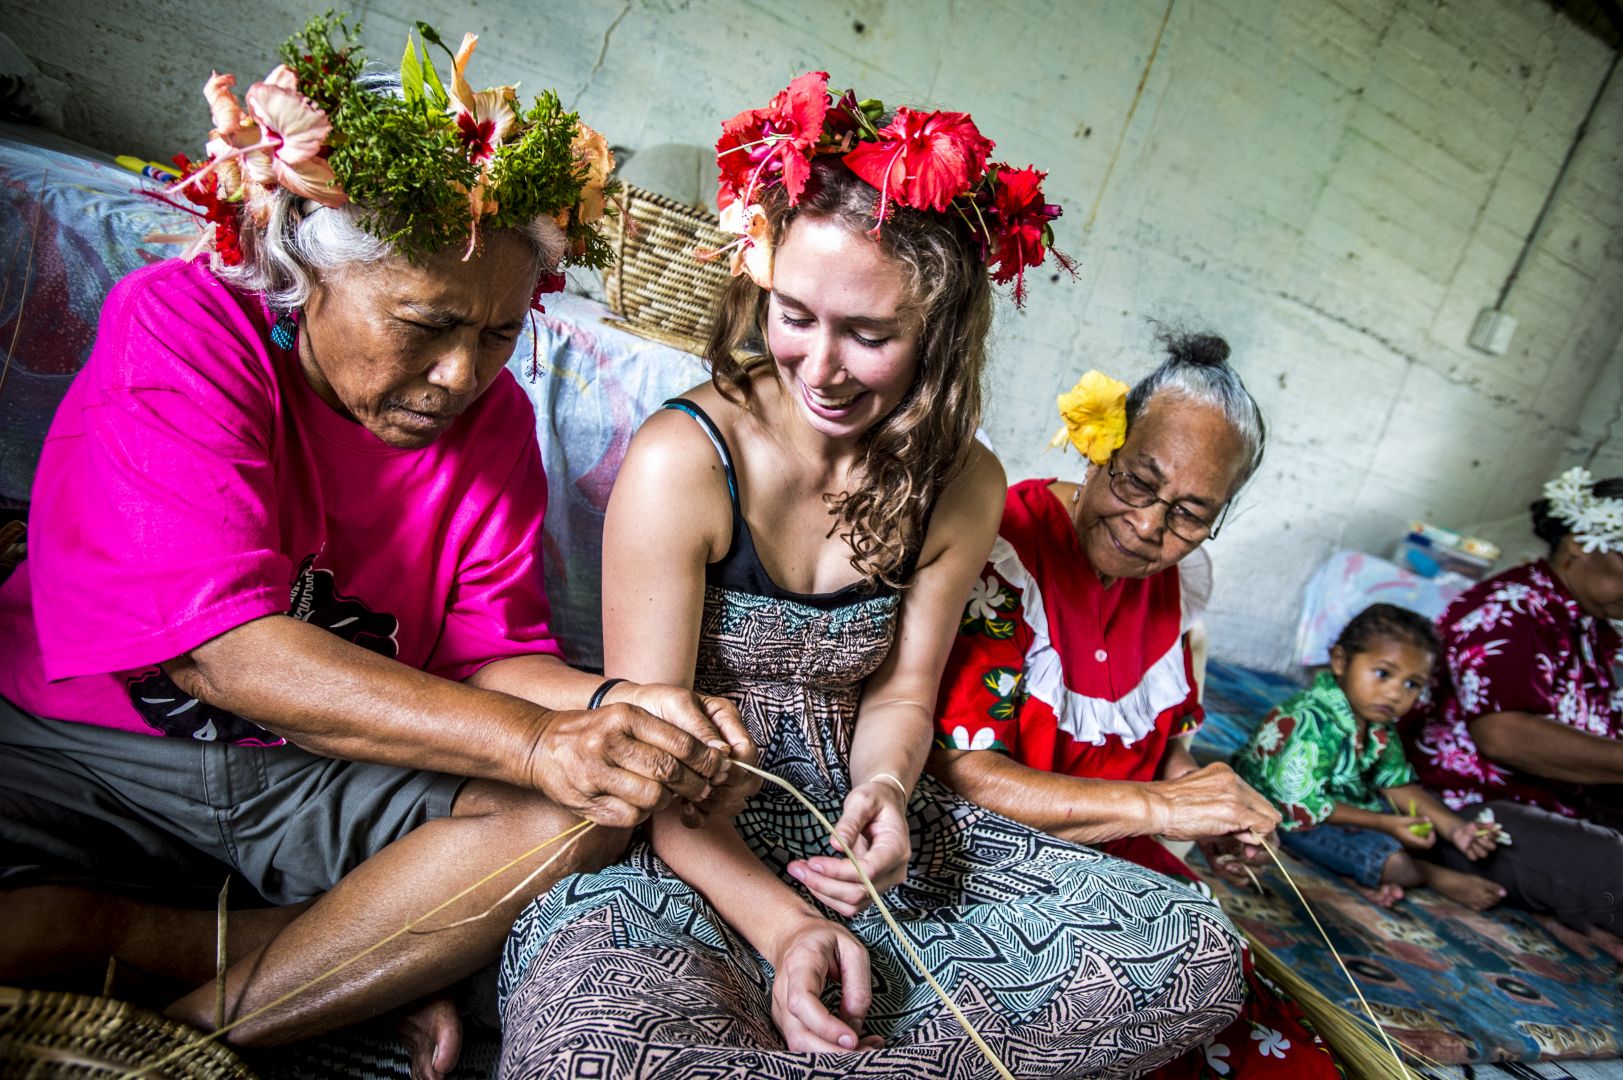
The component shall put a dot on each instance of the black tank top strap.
(722, 451)
(741, 569)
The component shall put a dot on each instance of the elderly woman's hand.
(1231, 855)
(617, 764)
(1208, 802)
(713, 721)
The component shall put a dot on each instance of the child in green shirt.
(1330, 760)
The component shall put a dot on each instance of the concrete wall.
(1336, 185)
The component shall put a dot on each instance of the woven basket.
(45, 1034)
(656, 285)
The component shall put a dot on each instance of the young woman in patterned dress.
(798, 536)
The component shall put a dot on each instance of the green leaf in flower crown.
(411, 73)
(437, 96)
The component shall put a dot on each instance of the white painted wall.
(1335, 185)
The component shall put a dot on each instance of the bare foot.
(432, 1032)
(1472, 890)
(1608, 943)
(1383, 895)
(1575, 940)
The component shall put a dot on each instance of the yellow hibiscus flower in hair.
(1095, 415)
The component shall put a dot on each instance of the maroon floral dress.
(1517, 642)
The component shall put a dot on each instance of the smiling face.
(1383, 679)
(1188, 453)
(841, 332)
(403, 349)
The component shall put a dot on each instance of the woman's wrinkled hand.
(617, 764)
(873, 828)
(808, 953)
(1210, 801)
(715, 722)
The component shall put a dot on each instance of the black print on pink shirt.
(314, 599)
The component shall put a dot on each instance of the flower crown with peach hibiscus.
(930, 161)
(425, 168)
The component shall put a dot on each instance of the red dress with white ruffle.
(1067, 676)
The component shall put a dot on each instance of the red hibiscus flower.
(478, 137)
(552, 282)
(759, 147)
(922, 160)
(221, 213)
(1017, 224)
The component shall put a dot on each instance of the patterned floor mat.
(1459, 986)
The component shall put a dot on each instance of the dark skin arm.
(334, 698)
(1545, 747)
(1197, 804)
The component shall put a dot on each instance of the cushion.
(70, 226)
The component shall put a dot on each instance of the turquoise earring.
(285, 331)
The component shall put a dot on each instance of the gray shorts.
(94, 805)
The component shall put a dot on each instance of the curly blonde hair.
(910, 455)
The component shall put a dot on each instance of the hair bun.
(1198, 350)
(1546, 527)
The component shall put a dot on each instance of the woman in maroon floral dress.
(1526, 718)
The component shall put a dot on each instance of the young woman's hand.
(1230, 855)
(1398, 826)
(874, 829)
(806, 953)
(1474, 841)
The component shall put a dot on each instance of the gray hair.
(1197, 368)
(301, 242)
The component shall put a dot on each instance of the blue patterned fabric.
(70, 226)
(1457, 985)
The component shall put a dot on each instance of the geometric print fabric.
(1069, 962)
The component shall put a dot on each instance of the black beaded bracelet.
(602, 692)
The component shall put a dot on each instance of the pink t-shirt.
(192, 481)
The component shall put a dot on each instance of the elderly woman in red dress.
(1526, 717)
(1073, 677)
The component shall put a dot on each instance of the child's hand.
(1474, 840)
(1403, 826)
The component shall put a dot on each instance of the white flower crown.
(1596, 523)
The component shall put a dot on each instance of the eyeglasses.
(1183, 522)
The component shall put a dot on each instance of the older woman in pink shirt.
(283, 612)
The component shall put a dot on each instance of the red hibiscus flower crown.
(929, 161)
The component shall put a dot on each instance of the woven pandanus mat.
(49, 1034)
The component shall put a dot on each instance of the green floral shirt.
(1301, 758)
